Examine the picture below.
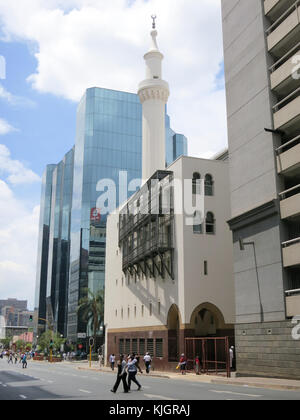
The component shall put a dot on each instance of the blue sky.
(67, 46)
(45, 124)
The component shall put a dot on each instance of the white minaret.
(154, 94)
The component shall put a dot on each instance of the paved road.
(64, 382)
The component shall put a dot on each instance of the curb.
(283, 387)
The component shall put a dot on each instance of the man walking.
(112, 359)
(121, 376)
(147, 360)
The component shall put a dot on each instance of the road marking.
(23, 397)
(83, 390)
(235, 393)
(158, 397)
(4, 386)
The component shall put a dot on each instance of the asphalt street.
(42, 381)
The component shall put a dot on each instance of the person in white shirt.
(147, 360)
(112, 360)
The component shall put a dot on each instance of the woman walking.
(121, 376)
(132, 371)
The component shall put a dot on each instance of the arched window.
(210, 224)
(197, 225)
(209, 185)
(196, 183)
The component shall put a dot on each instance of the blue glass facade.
(43, 249)
(59, 243)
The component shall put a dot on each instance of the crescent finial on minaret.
(154, 17)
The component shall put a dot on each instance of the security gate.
(213, 354)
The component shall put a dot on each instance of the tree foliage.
(91, 309)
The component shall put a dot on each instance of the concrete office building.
(261, 46)
(167, 279)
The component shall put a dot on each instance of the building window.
(210, 224)
(142, 310)
(142, 346)
(150, 346)
(209, 186)
(134, 346)
(135, 311)
(122, 313)
(128, 312)
(205, 268)
(127, 346)
(196, 183)
(159, 347)
(116, 313)
(197, 225)
(121, 346)
(159, 305)
(150, 309)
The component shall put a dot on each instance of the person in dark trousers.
(112, 359)
(132, 372)
(24, 361)
(182, 364)
(147, 360)
(10, 359)
(121, 376)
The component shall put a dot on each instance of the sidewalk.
(254, 382)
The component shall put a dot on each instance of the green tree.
(91, 309)
(44, 341)
(6, 342)
(20, 345)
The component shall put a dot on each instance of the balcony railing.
(284, 32)
(288, 157)
(287, 113)
(291, 253)
(282, 18)
(292, 300)
(290, 203)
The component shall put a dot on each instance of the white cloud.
(18, 245)
(15, 171)
(5, 127)
(85, 43)
(14, 100)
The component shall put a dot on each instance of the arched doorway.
(173, 325)
(207, 321)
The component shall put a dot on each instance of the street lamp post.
(242, 248)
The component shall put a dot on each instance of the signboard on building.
(95, 215)
(81, 335)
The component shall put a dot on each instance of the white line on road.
(235, 393)
(23, 397)
(158, 397)
(83, 390)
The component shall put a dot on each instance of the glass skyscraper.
(108, 141)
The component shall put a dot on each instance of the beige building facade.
(170, 276)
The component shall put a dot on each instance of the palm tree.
(91, 309)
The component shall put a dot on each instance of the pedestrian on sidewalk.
(132, 372)
(16, 358)
(10, 359)
(112, 360)
(121, 375)
(182, 364)
(231, 355)
(24, 361)
(197, 365)
(147, 360)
